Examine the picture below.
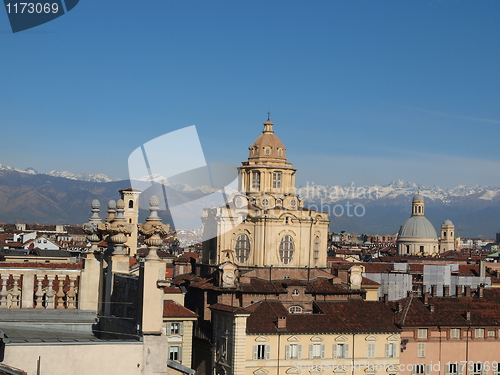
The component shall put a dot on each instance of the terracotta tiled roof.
(450, 311)
(366, 281)
(41, 265)
(334, 317)
(172, 309)
(324, 286)
(262, 286)
(171, 289)
(232, 309)
(181, 279)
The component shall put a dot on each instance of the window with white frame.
(255, 180)
(371, 346)
(491, 333)
(341, 350)
(174, 353)
(390, 350)
(293, 351)
(277, 180)
(261, 351)
(295, 309)
(455, 333)
(316, 351)
(242, 248)
(175, 328)
(286, 249)
(421, 350)
(422, 333)
(479, 333)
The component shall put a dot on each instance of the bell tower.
(447, 241)
(131, 199)
(418, 206)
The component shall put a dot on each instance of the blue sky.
(359, 91)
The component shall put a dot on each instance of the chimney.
(482, 268)
(480, 290)
(386, 298)
(426, 298)
(431, 308)
(434, 289)
(460, 291)
(281, 322)
(467, 291)
(446, 289)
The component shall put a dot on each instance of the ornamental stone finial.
(153, 229)
(91, 227)
(116, 227)
(111, 211)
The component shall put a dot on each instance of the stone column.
(152, 270)
(28, 290)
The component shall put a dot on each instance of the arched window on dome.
(242, 248)
(280, 152)
(287, 249)
(268, 151)
(316, 249)
(277, 179)
(256, 180)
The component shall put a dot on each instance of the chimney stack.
(431, 308)
(460, 291)
(426, 298)
(281, 322)
(480, 290)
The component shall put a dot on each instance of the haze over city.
(363, 92)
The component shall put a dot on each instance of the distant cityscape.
(263, 287)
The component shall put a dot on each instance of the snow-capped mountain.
(99, 177)
(335, 193)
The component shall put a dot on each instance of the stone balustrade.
(29, 288)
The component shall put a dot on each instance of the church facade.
(275, 229)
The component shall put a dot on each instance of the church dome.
(267, 145)
(417, 227)
(418, 197)
(447, 222)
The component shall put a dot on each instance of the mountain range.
(64, 198)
